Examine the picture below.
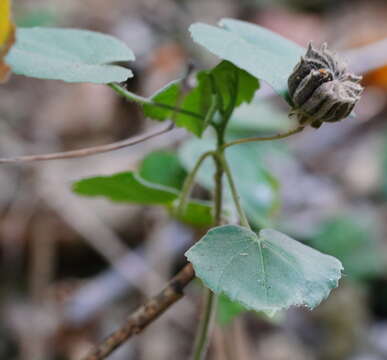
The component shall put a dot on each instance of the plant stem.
(145, 314)
(210, 302)
(202, 337)
(189, 181)
(234, 192)
(218, 196)
(268, 138)
(146, 101)
(211, 111)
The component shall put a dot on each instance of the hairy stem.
(267, 138)
(146, 101)
(206, 321)
(234, 192)
(209, 309)
(189, 181)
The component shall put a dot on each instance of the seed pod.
(321, 89)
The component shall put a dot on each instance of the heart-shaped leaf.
(267, 273)
(260, 52)
(70, 55)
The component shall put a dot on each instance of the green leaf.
(354, 243)
(230, 82)
(260, 52)
(258, 189)
(129, 187)
(197, 213)
(267, 273)
(70, 55)
(164, 168)
(167, 95)
(227, 310)
(125, 187)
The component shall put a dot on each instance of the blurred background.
(72, 268)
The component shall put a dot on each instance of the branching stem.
(206, 321)
(234, 192)
(189, 181)
(267, 138)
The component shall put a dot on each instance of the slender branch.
(202, 338)
(268, 138)
(189, 181)
(146, 101)
(145, 314)
(234, 192)
(209, 308)
(218, 197)
(91, 150)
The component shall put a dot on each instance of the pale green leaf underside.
(126, 187)
(129, 187)
(70, 55)
(267, 273)
(260, 52)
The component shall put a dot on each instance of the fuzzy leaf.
(70, 55)
(230, 82)
(260, 52)
(267, 273)
(125, 187)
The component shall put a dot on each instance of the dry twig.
(91, 150)
(145, 314)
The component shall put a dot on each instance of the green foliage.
(70, 55)
(266, 273)
(258, 189)
(129, 187)
(167, 95)
(260, 52)
(164, 168)
(125, 187)
(227, 310)
(231, 85)
(197, 214)
(354, 243)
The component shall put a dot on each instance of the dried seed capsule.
(321, 89)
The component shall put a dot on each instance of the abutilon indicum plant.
(238, 258)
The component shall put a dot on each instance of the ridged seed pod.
(321, 89)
